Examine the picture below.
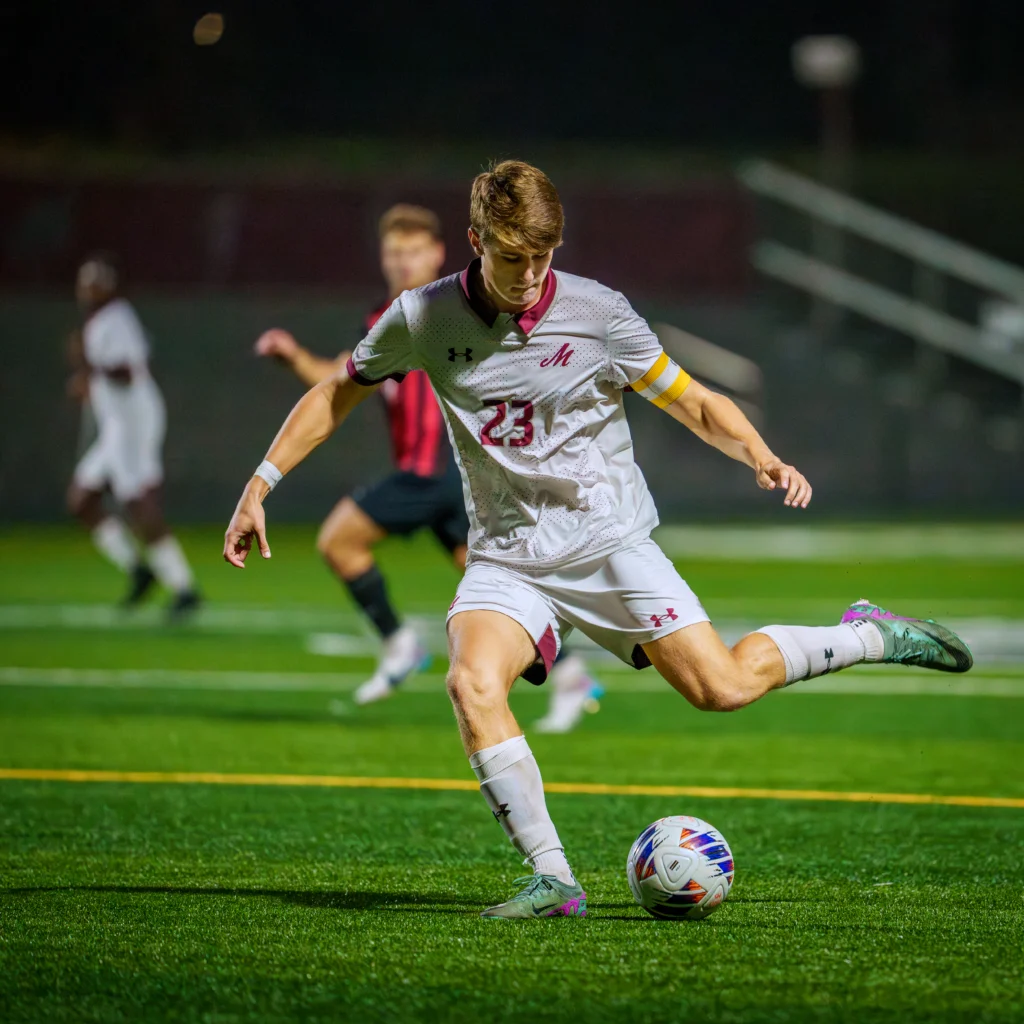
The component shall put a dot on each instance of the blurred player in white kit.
(126, 456)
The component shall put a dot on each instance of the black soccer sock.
(371, 594)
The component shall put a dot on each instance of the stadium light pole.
(830, 65)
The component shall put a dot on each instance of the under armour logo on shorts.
(501, 812)
(466, 354)
(669, 615)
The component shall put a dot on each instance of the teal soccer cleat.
(544, 896)
(921, 642)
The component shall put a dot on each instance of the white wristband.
(269, 472)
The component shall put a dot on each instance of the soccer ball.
(680, 867)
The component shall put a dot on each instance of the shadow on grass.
(336, 900)
(403, 902)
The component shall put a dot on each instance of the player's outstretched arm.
(716, 419)
(309, 368)
(315, 417)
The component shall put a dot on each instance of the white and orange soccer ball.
(680, 867)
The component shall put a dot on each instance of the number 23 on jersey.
(518, 434)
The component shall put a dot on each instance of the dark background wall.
(865, 455)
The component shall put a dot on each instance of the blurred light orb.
(826, 62)
(209, 28)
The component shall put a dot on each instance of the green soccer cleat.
(544, 896)
(921, 642)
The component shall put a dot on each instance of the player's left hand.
(775, 475)
(277, 343)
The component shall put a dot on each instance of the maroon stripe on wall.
(178, 233)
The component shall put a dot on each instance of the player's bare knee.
(326, 539)
(341, 551)
(469, 687)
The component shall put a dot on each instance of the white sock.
(511, 784)
(810, 651)
(169, 564)
(115, 543)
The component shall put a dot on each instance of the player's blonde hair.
(515, 206)
(408, 219)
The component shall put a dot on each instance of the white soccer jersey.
(533, 403)
(113, 337)
(130, 417)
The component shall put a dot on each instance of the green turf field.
(304, 899)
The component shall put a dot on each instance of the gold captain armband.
(663, 383)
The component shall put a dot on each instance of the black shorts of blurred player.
(403, 503)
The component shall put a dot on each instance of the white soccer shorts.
(127, 460)
(630, 598)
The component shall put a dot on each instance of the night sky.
(937, 73)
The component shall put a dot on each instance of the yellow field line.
(573, 788)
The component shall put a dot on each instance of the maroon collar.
(478, 302)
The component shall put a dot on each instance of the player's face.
(410, 259)
(90, 290)
(514, 280)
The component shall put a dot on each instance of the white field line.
(213, 618)
(735, 613)
(868, 683)
(976, 542)
(992, 639)
(179, 679)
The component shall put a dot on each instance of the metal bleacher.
(915, 337)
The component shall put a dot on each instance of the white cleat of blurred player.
(402, 655)
(575, 694)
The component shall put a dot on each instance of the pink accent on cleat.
(864, 609)
(571, 909)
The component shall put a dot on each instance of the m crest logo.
(466, 354)
(560, 358)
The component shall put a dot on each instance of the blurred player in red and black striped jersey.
(425, 491)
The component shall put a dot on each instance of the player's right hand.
(248, 522)
(277, 343)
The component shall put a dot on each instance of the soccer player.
(113, 372)
(424, 491)
(529, 367)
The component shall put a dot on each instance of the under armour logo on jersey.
(560, 358)
(466, 354)
(501, 812)
(669, 615)
(828, 661)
